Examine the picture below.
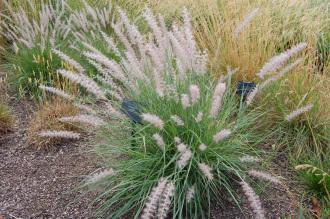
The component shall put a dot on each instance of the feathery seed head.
(254, 200)
(59, 134)
(264, 176)
(206, 170)
(217, 98)
(249, 159)
(199, 117)
(159, 140)
(298, 112)
(190, 194)
(153, 120)
(96, 177)
(184, 158)
(165, 201)
(151, 205)
(225, 133)
(202, 147)
(86, 119)
(177, 120)
(194, 93)
(185, 101)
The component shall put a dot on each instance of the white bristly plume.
(185, 101)
(181, 146)
(249, 159)
(153, 120)
(151, 205)
(165, 201)
(159, 140)
(206, 170)
(177, 140)
(96, 177)
(252, 95)
(199, 117)
(83, 118)
(264, 176)
(202, 147)
(217, 98)
(184, 158)
(247, 20)
(84, 81)
(190, 194)
(298, 112)
(194, 94)
(225, 133)
(59, 134)
(278, 61)
(177, 120)
(280, 74)
(69, 60)
(254, 201)
(57, 92)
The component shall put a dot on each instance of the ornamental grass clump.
(180, 145)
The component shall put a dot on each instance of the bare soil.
(42, 184)
(45, 184)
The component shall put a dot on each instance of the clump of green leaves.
(314, 173)
(140, 161)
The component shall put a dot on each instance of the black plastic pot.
(132, 110)
(244, 88)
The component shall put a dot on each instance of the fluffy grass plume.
(254, 200)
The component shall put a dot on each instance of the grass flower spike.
(96, 177)
(159, 140)
(225, 133)
(217, 98)
(59, 134)
(151, 205)
(206, 170)
(153, 120)
(298, 112)
(254, 201)
(264, 176)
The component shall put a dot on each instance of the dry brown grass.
(278, 25)
(47, 118)
(6, 118)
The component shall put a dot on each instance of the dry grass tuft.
(6, 118)
(47, 118)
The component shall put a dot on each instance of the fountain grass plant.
(31, 29)
(193, 137)
(177, 153)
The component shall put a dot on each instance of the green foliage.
(139, 162)
(323, 50)
(32, 67)
(314, 173)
